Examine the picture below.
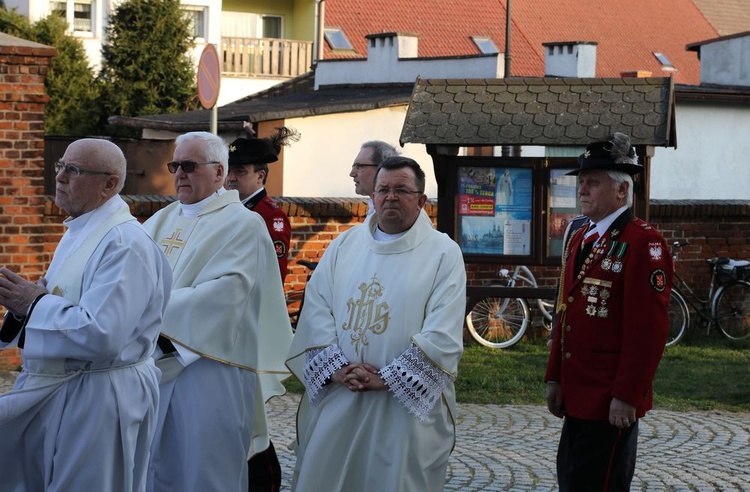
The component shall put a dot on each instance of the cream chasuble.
(399, 306)
(227, 300)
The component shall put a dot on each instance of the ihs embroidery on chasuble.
(366, 313)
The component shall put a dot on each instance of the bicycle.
(727, 305)
(500, 322)
(295, 299)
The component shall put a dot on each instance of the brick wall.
(25, 239)
(712, 228)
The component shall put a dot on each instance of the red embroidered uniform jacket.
(610, 337)
(278, 226)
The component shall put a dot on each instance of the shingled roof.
(540, 111)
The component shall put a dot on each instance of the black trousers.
(265, 471)
(596, 456)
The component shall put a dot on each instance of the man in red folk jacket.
(612, 324)
(248, 173)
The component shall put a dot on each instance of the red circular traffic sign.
(209, 77)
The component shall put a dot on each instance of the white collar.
(247, 199)
(603, 225)
(193, 209)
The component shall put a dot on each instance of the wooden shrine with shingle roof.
(558, 117)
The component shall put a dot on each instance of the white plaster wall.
(376, 70)
(319, 164)
(726, 62)
(233, 88)
(581, 62)
(712, 159)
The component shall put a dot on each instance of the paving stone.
(513, 448)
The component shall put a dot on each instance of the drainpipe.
(507, 39)
(320, 15)
(507, 150)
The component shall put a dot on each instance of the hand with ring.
(621, 414)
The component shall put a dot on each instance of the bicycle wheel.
(679, 317)
(547, 307)
(732, 310)
(498, 322)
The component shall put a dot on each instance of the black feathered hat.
(251, 151)
(616, 154)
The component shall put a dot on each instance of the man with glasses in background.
(383, 311)
(370, 155)
(82, 414)
(225, 328)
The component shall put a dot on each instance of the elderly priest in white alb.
(226, 328)
(82, 413)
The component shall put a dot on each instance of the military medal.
(607, 261)
(596, 290)
(619, 249)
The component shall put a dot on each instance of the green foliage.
(146, 65)
(70, 84)
(712, 375)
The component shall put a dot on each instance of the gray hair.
(216, 148)
(380, 150)
(619, 177)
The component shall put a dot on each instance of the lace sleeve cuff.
(321, 364)
(415, 381)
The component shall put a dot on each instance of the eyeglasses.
(187, 166)
(397, 192)
(72, 170)
(358, 167)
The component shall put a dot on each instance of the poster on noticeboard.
(494, 210)
(563, 206)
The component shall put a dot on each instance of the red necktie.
(591, 235)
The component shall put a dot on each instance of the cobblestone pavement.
(512, 448)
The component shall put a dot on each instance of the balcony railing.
(266, 57)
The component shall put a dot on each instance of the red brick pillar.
(23, 67)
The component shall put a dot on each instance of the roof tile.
(626, 33)
(568, 112)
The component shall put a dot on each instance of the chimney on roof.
(636, 73)
(570, 59)
(391, 46)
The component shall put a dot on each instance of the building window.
(79, 14)
(666, 65)
(485, 44)
(272, 27)
(336, 39)
(197, 16)
(83, 16)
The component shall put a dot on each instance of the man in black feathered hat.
(248, 172)
(611, 327)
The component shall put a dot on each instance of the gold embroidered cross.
(172, 242)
